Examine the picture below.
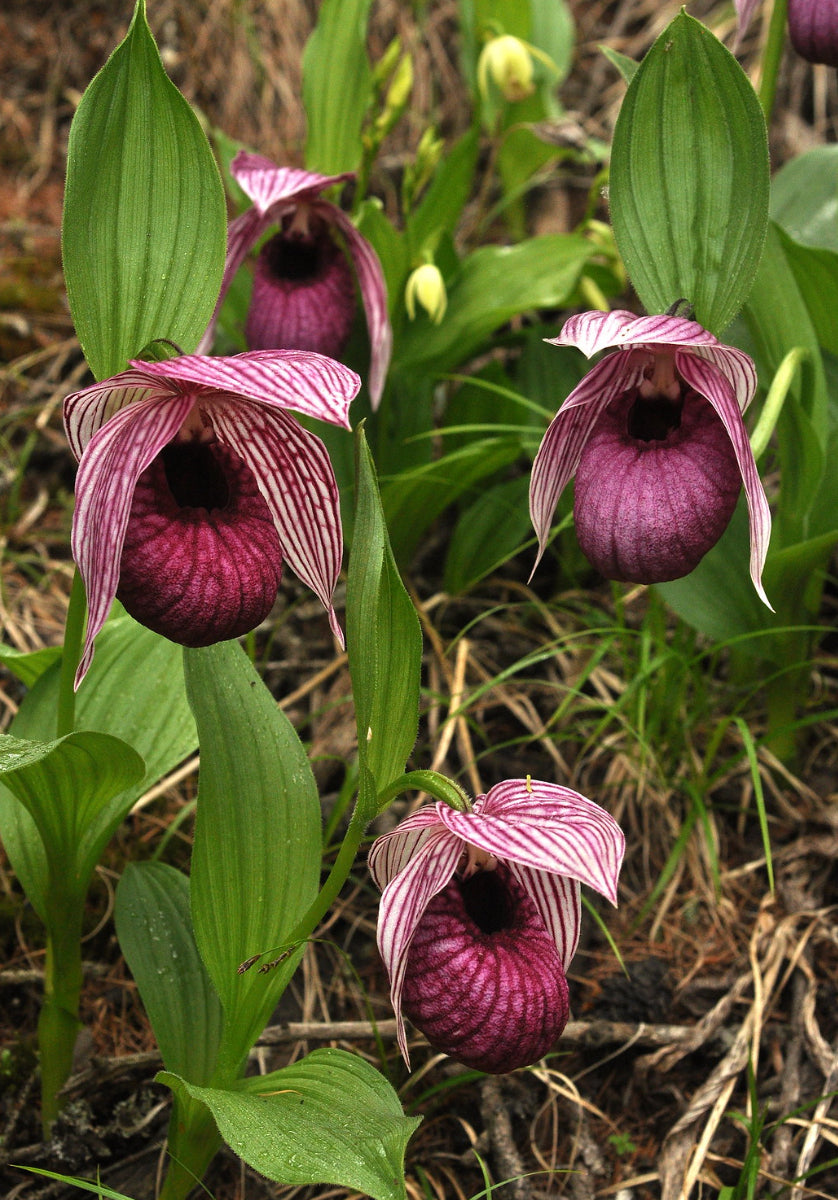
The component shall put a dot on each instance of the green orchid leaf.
(413, 501)
(488, 533)
(133, 691)
(256, 858)
(382, 637)
(625, 65)
(804, 197)
(779, 320)
(816, 272)
(65, 786)
(493, 284)
(337, 86)
(29, 666)
(154, 927)
(328, 1119)
(689, 176)
(145, 225)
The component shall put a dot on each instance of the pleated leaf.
(28, 666)
(154, 927)
(382, 637)
(329, 1119)
(804, 197)
(689, 177)
(256, 859)
(65, 786)
(134, 691)
(144, 230)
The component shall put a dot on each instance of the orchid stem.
(73, 630)
(58, 1023)
(335, 880)
(438, 786)
(771, 58)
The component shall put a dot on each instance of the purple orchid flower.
(194, 484)
(655, 437)
(480, 916)
(813, 29)
(303, 288)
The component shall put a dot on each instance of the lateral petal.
(294, 474)
(390, 853)
(243, 232)
(562, 445)
(373, 293)
(706, 378)
(558, 902)
(112, 462)
(85, 412)
(403, 902)
(737, 366)
(298, 379)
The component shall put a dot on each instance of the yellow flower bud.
(508, 63)
(428, 287)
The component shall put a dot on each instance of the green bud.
(508, 63)
(428, 287)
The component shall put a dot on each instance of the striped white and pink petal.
(403, 903)
(390, 853)
(712, 382)
(287, 379)
(113, 460)
(562, 445)
(545, 827)
(591, 332)
(373, 294)
(268, 185)
(559, 905)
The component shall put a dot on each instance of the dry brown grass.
(723, 974)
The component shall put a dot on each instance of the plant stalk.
(192, 1144)
(771, 58)
(58, 1022)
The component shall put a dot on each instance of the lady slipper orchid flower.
(813, 29)
(195, 483)
(303, 288)
(655, 437)
(480, 917)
